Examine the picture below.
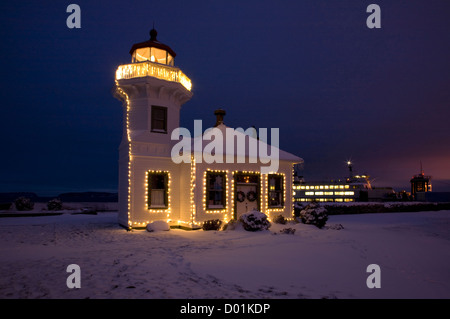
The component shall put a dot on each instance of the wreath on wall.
(251, 196)
(240, 196)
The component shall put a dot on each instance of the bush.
(213, 224)
(254, 221)
(314, 214)
(231, 225)
(54, 204)
(288, 231)
(279, 220)
(158, 225)
(24, 203)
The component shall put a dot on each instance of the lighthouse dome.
(152, 50)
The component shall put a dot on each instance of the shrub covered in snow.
(314, 214)
(212, 224)
(289, 231)
(24, 203)
(158, 225)
(297, 209)
(279, 220)
(254, 221)
(54, 204)
(231, 225)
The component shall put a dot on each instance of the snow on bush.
(254, 221)
(158, 225)
(288, 231)
(279, 220)
(232, 225)
(24, 203)
(213, 224)
(314, 214)
(54, 204)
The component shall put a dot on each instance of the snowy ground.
(412, 249)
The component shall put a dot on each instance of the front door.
(246, 194)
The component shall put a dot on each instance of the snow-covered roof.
(210, 134)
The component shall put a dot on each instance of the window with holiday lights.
(276, 190)
(215, 183)
(157, 190)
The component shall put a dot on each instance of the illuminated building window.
(326, 187)
(341, 186)
(309, 193)
(338, 200)
(320, 187)
(302, 187)
(328, 193)
(276, 190)
(215, 183)
(348, 199)
(159, 119)
(347, 186)
(339, 193)
(349, 193)
(318, 193)
(158, 190)
(307, 187)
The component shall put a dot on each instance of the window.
(157, 190)
(276, 190)
(159, 119)
(215, 192)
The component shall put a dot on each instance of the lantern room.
(153, 51)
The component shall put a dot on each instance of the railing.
(160, 71)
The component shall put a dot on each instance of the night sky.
(336, 89)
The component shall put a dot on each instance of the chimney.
(219, 116)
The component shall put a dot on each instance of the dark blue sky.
(336, 89)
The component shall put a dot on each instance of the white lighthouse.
(152, 90)
(153, 186)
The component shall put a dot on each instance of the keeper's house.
(155, 186)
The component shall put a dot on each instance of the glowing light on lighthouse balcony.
(160, 71)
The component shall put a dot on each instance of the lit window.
(349, 193)
(338, 200)
(328, 193)
(276, 190)
(339, 193)
(159, 119)
(318, 193)
(341, 186)
(157, 191)
(302, 187)
(321, 187)
(309, 193)
(326, 186)
(347, 186)
(215, 183)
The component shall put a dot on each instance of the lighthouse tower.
(152, 91)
